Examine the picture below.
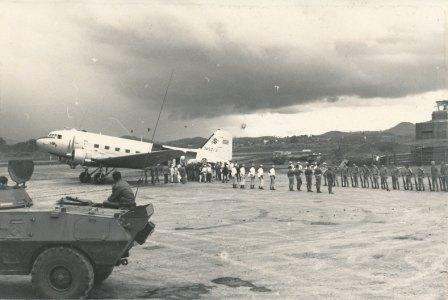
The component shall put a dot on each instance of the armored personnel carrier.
(69, 248)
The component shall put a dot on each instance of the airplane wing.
(139, 161)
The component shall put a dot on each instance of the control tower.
(431, 137)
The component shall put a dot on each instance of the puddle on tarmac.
(154, 247)
(408, 237)
(194, 291)
(324, 223)
(235, 282)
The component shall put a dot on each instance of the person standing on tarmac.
(329, 175)
(233, 173)
(272, 178)
(420, 176)
(355, 174)
(443, 175)
(298, 173)
(242, 177)
(434, 176)
(252, 177)
(383, 176)
(375, 174)
(291, 176)
(260, 175)
(408, 176)
(395, 173)
(318, 177)
(308, 177)
(365, 176)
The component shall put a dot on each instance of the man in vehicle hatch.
(122, 194)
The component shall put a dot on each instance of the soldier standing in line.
(434, 176)
(344, 178)
(355, 174)
(318, 177)
(272, 178)
(298, 174)
(260, 175)
(329, 174)
(420, 176)
(408, 175)
(291, 176)
(395, 172)
(308, 177)
(242, 177)
(365, 176)
(384, 177)
(375, 174)
(443, 175)
(252, 176)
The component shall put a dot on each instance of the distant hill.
(402, 129)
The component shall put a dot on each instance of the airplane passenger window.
(137, 152)
(96, 146)
(59, 136)
(106, 147)
(128, 151)
(117, 149)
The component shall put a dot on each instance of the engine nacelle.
(80, 156)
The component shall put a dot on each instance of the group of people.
(312, 175)
(376, 177)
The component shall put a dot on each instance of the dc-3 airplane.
(105, 153)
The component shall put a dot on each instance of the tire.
(85, 177)
(102, 273)
(62, 272)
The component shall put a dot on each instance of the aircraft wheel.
(85, 177)
(62, 273)
(99, 178)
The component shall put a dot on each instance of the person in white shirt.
(252, 176)
(233, 173)
(242, 177)
(260, 175)
(272, 178)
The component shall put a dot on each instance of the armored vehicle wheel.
(62, 273)
(85, 177)
(102, 273)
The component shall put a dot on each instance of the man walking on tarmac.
(308, 177)
(260, 175)
(298, 173)
(291, 176)
(329, 175)
(272, 178)
(318, 177)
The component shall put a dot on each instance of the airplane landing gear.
(97, 176)
(85, 177)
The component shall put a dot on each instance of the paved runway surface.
(215, 241)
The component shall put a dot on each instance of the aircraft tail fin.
(219, 147)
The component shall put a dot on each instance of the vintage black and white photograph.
(223, 149)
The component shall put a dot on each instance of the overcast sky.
(280, 68)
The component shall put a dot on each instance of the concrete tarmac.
(212, 241)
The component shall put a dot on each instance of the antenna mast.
(161, 107)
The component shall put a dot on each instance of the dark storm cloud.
(231, 77)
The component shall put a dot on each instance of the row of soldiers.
(378, 177)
